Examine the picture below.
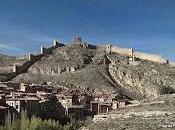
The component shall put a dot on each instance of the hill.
(71, 64)
(82, 65)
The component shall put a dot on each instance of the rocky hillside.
(155, 114)
(77, 66)
(142, 78)
(80, 66)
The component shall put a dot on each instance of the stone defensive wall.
(34, 58)
(135, 54)
(172, 63)
(151, 57)
(31, 59)
(123, 51)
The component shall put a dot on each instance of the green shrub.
(35, 123)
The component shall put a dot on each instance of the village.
(56, 102)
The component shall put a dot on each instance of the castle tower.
(108, 49)
(78, 40)
(15, 68)
(42, 50)
(55, 42)
(30, 57)
(132, 54)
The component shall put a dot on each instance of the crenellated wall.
(140, 55)
(34, 58)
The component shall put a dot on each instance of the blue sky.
(146, 25)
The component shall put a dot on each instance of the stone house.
(24, 87)
(65, 100)
(51, 108)
(115, 105)
(30, 88)
(123, 103)
(120, 104)
(28, 104)
(75, 99)
(72, 69)
(95, 107)
(100, 107)
(77, 111)
(105, 107)
(99, 99)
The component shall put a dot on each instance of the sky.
(145, 25)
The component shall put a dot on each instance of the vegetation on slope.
(35, 123)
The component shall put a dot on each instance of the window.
(17, 106)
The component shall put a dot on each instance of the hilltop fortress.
(110, 49)
(130, 52)
(132, 55)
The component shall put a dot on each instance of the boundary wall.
(32, 58)
(130, 52)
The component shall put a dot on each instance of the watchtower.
(42, 50)
(132, 54)
(55, 42)
(78, 40)
(15, 68)
(108, 49)
(30, 57)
